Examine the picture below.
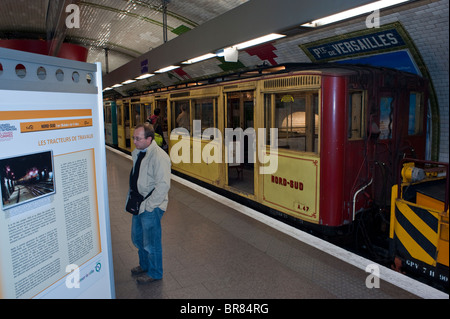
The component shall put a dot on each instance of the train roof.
(323, 68)
(269, 70)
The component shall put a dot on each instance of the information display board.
(54, 214)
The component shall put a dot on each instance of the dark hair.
(157, 111)
(149, 131)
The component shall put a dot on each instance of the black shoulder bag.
(134, 201)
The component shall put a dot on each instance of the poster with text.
(54, 224)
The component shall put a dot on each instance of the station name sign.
(364, 43)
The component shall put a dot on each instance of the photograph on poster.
(26, 178)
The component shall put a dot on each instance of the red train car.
(371, 119)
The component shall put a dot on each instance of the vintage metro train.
(341, 135)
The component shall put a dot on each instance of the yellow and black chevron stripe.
(416, 232)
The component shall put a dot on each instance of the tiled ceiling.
(127, 28)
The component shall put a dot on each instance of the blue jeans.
(146, 236)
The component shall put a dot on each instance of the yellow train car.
(131, 112)
(291, 140)
(419, 228)
(140, 110)
(222, 122)
(123, 124)
(160, 101)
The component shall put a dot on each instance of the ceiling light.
(221, 52)
(128, 81)
(117, 85)
(266, 38)
(353, 12)
(144, 76)
(168, 68)
(233, 49)
(200, 58)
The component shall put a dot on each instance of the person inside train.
(152, 119)
(183, 118)
(157, 123)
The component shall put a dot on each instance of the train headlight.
(412, 174)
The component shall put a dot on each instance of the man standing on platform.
(151, 173)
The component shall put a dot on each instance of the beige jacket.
(155, 173)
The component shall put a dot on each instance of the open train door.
(239, 139)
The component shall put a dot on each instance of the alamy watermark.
(373, 20)
(212, 152)
(73, 19)
(73, 278)
(373, 280)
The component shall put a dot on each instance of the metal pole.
(106, 60)
(164, 7)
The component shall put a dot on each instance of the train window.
(240, 109)
(204, 111)
(386, 109)
(181, 110)
(415, 123)
(296, 116)
(356, 115)
(126, 114)
(108, 115)
(162, 105)
(119, 115)
(147, 111)
(268, 115)
(127, 123)
(136, 117)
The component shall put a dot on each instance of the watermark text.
(373, 280)
(373, 20)
(212, 152)
(73, 19)
(73, 279)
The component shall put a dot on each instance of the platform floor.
(213, 251)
